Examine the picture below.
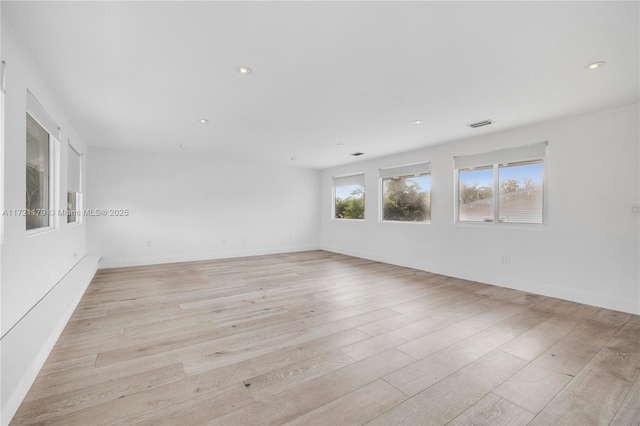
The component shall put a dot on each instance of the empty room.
(320, 213)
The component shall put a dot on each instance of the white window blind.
(508, 155)
(409, 170)
(74, 170)
(36, 111)
(349, 180)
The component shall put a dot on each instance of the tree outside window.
(407, 199)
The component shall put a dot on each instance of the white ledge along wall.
(588, 249)
(43, 276)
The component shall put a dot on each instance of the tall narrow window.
(73, 191)
(348, 197)
(406, 193)
(42, 134)
(2, 95)
(38, 176)
(505, 186)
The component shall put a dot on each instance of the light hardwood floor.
(317, 338)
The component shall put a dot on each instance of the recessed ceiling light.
(341, 145)
(244, 70)
(204, 121)
(595, 65)
(183, 146)
(418, 122)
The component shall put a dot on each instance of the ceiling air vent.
(480, 123)
(357, 154)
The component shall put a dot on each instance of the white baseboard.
(122, 263)
(55, 309)
(543, 289)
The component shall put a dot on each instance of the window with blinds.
(406, 193)
(42, 134)
(348, 197)
(505, 186)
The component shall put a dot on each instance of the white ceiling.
(140, 75)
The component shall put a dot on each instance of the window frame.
(78, 194)
(529, 153)
(406, 172)
(333, 195)
(3, 92)
(44, 120)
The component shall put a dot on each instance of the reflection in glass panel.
(72, 207)
(37, 194)
(407, 198)
(520, 192)
(476, 194)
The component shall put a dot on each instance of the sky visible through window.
(484, 177)
(344, 192)
(423, 181)
(520, 172)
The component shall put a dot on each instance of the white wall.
(192, 208)
(32, 266)
(588, 250)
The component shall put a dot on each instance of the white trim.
(80, 275)
(75, 172)
(122, 263)
(38, 231)
(507, 155)
(349, 180)
(54, 180)
(544, 289)
(496, 194)
(417, 169)
(2, 130)
(37, 111)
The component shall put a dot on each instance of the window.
(475, 194)
(73, 190)
(2, 95)
(42, 133)
(494, 188)
(38, 177)
(406, 193)
(348, 197)
(520, 192)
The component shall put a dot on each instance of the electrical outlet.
(505, 259)
(635, 209)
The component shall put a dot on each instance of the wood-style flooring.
(317, 338)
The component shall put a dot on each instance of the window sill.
(503, 225)
(40, 231)
(406, 222)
